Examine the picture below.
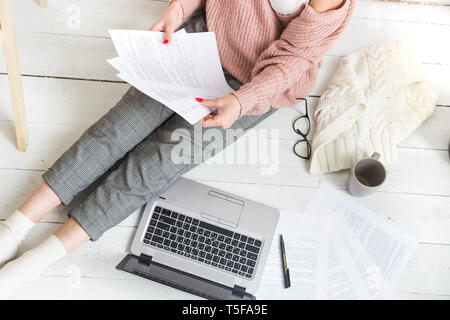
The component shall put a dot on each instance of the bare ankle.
(40, 203)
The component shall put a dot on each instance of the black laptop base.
(143, 266)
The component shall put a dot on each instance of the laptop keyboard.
(203, 242)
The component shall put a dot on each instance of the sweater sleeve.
(301, 45)
(190, 6)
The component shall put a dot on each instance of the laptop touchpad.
(222, 208)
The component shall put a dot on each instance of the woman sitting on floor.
(270, 51)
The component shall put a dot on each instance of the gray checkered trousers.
(124, 159)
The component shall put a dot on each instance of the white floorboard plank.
(65, 56)
(434, 132)
(97, 261)
(430, 264)
(40, 154)
(59, 16)
(63, 102)
(423, 39)
(404, 175)
(70, 288)
(81, 103)
(420, 296)
(81, 17)
(426, 218)
(67, 288)
(402, 11)
(273, 167)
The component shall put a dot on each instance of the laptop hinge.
(238, 291)
(145, 259)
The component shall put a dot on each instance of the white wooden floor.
(68, 85)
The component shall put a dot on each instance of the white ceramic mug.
(366, 176)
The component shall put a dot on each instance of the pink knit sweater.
(275, 56)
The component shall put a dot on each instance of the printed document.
(388, 247)
(303, 260)
(336, 250)
(174, 73)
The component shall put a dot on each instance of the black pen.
(287, 278)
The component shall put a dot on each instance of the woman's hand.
(169, 21)
(228, 111)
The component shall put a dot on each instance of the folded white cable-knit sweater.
(375, 100)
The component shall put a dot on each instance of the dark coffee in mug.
(366, 176)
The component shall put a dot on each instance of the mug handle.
(377, 156)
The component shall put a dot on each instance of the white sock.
(12, 231)
(29, 266)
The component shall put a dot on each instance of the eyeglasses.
(301, 126)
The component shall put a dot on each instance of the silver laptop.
(204, 241)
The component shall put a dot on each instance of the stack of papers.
(174, 73)
(338, 249)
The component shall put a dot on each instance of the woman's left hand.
(228, 111)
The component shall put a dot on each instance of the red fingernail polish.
(166, 41)
(199, 99)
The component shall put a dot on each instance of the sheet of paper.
(174, 74)
(336, 250)
(303, 260)
(388, 247)
(365, 277)
(321, 265)
(339, 283)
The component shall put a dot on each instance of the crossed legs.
(97, 150)
(139, 148)
(134, 118)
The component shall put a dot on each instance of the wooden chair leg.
(14, 76)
